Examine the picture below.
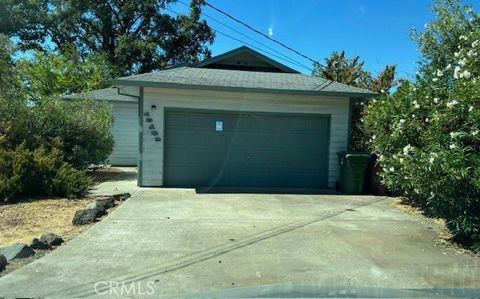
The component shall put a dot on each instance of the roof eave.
(242, 89)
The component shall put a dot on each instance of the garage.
(245, 149)
(241, 121)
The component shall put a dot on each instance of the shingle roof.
(106, 94)
(204, 78)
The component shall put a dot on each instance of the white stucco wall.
(152, 156)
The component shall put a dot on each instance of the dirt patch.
(22, 221)
(100, 175)
(400, 203)
(444, 237)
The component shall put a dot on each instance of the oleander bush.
(427, 133)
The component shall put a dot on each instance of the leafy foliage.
(134, 36)
(348, 71)
(39, 172)
(49, 74)
(44, 144)
(80, 129)
(10, 83)
(428, 133)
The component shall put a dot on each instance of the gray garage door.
(238, 149)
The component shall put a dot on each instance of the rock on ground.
(3, 262)
(51, 239)
(86, 216)
(121, 196)
(16, 251)
(102, 204)
(37, 244)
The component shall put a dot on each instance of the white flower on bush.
(401, 121)
(449, 67)
(407, 149)
(452, 146)
(391, 169)
(452, 103)
(413, 116)
(462, 62)
(416, 105)
(427, 120)
(456, 54)
(400, 160)
(470, 109)
(466, 74)
(454, 135)
(431, 160)
(463, 37)
(456, 72)
(475, 43)
(471, 53)
(435, 79)
(439, 73)
(435, 100)
(475, 133)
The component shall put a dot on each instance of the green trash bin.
(352, 171)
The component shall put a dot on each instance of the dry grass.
(399, 203)
(22, 221)
(101, 175)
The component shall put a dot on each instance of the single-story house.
(238, 120)
(125, 125)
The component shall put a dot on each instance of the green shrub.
(15, 166)
(69, 182)
(38, 172)
(427, 134)
(80, 129)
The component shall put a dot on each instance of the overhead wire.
(259, 32)
(289, 59)
(252, 46)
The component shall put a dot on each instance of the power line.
(259, 32)
(250, 45)
(254, 40)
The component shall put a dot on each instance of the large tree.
(338, 67)
(135, 36)
(47, 74)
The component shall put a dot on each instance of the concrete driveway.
(169, 242)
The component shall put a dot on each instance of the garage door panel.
(253, 150)
(242, 158)
(263, 140)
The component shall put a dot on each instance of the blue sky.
(376, 30)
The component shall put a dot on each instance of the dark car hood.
(292, 291)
